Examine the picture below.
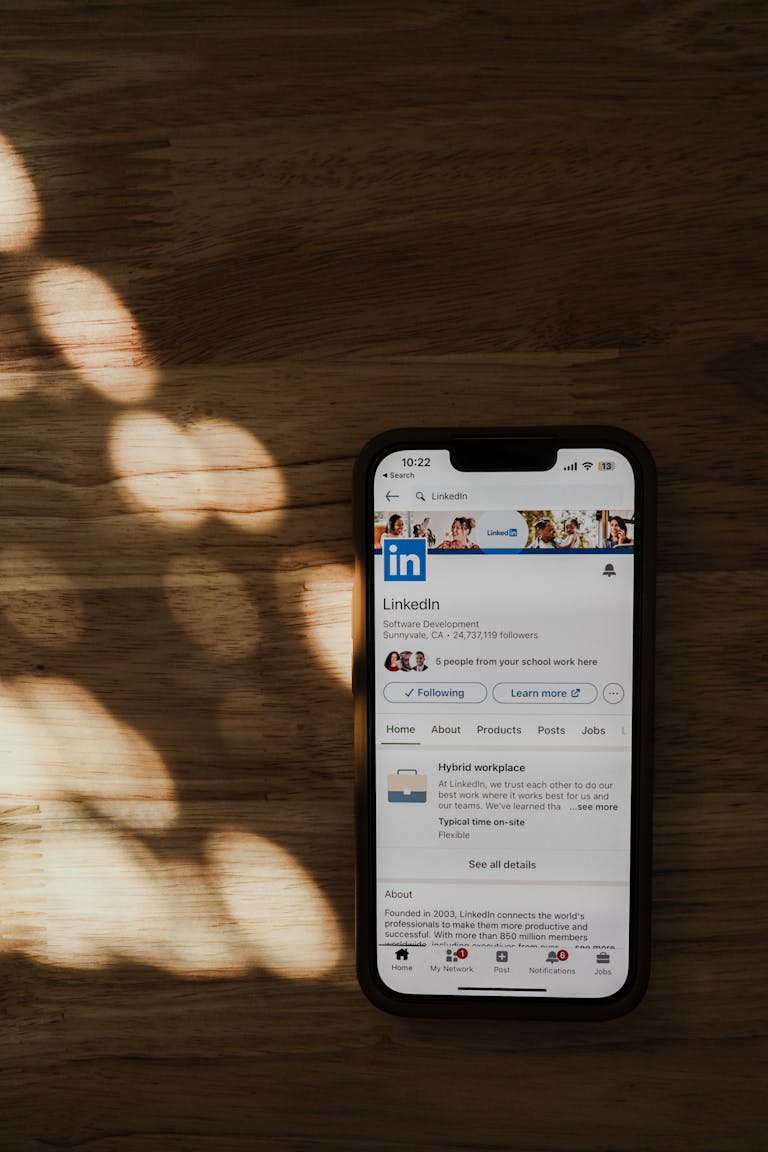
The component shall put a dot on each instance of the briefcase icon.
(406, 786)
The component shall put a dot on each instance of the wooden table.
(237, 239)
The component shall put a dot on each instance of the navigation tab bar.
(484, 731)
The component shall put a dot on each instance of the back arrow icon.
(393, 496)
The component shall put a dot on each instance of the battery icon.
(605, 465)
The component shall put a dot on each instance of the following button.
(448, 692)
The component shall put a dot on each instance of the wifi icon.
(586, 464)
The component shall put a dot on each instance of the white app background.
(503, 761)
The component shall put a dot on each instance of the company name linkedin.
(411, 605)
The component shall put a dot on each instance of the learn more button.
(534, 692)
(449, 692)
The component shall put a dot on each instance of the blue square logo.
(405, 559)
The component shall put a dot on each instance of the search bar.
(481, 496)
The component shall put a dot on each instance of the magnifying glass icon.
(420, 496)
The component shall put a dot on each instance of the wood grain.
(325, 220)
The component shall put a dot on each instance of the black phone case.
(642, 745)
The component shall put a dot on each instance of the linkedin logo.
(405, 559)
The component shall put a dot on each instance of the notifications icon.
(558, 957)
(609, 570)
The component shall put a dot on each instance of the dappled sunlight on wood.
(159, 466)
(212, 606)
(245, 486)
(38, 598)
(58, 741)
(288, 922)
(184, 474)
(93, 330)
(96, 896)
(20, 214)
(82, 798)
(93, 846)
(327, 604)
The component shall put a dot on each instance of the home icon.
(401, 954)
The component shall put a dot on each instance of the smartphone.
(503, 677)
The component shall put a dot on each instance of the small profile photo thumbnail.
(406, 661)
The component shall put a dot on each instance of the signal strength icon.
(586, 464)
(570, 467)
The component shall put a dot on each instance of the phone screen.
(502, 625)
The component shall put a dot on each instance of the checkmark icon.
(410, 692)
